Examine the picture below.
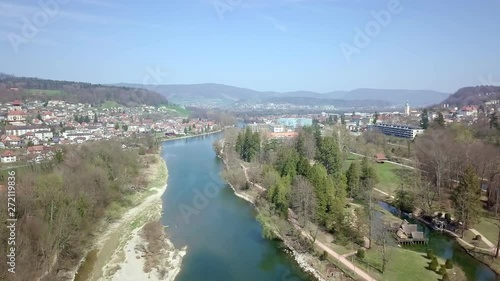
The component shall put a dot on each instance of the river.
(223, 239)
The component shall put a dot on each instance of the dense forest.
(304, 176)
(42, 89)
(60, 203)
(473, 95)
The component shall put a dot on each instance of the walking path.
(358, 271)
(248, 178)
(484, 239)
(383, 192)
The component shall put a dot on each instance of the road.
(390, 162)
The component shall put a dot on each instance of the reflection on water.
(223, 239)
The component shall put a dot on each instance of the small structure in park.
(380, 158)
(408, 233)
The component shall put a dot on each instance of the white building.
(407, 109)
(8, 157)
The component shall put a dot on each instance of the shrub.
(434, 264)
(442, 269)
(430, 254)
(447, 216)
(323, 256)
(449, 264)
(445, 277)
(439, 215)
(360, 253)
(478, 237)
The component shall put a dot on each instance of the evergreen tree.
(440, 120)
(424, 122)
(95, 118)
(39, 117)
(466, 198)
(368, 177)
(375, 118)
(330, 156)
(86, 119)
(342, 119)
(353, 176)
(323, 188)
(494, 121)
(279, 195)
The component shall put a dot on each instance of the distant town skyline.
(273, 45)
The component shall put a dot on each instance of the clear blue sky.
(280, 45)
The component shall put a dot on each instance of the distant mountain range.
(218, 94)
(473, 96)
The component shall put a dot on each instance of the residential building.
(400, 131)
(8, 156)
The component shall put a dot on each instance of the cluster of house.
(32, 130)
(280, 128)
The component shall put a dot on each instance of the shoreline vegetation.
(311, 264)
(136, 246)
(288, 181)
(130, 243)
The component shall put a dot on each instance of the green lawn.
(488, 228)
(110, 104)
(470, 238)
(403, 265)
(388, 176)
(46, 92)
(175, 109)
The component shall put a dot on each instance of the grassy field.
(403, 265)
(177, 110)
(488, 227)
(470, 238)
(46, 92)
(110, 104)
(389, 175)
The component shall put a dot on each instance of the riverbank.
(120, 252)
(163, 139)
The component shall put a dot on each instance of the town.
(32, 130)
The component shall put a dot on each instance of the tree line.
(58, 204)
(304, 175)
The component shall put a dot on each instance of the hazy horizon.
(277, 45)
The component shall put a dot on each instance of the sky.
(267, 45)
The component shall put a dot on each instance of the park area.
(390, 176)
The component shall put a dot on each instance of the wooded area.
(60, 203)
(12, 88)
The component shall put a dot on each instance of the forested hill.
(42, 89)
(473, 95)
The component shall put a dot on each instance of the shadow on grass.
(367, 265)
